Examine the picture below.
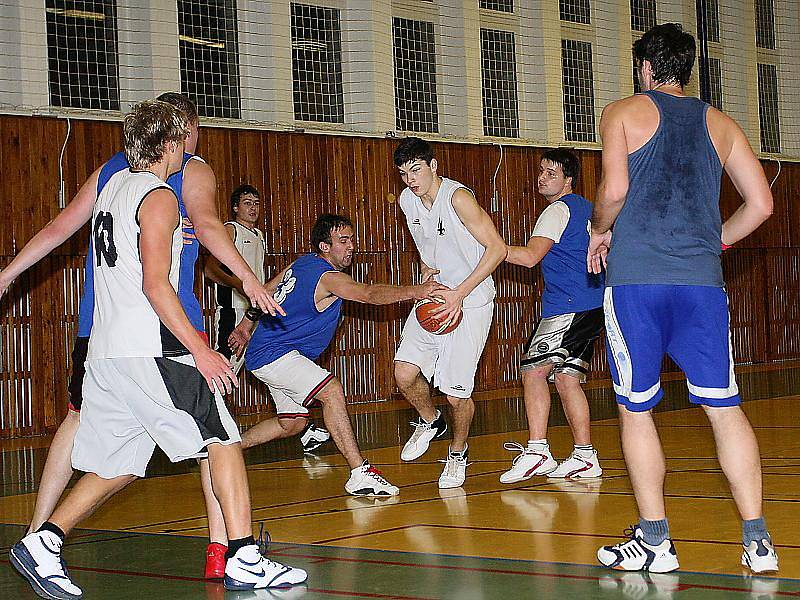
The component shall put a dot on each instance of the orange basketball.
(423, 310)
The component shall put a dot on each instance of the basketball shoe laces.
(377, 474)
(515, 447)
(421, 427)
(451, 464)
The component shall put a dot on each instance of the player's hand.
(428, 290)
(240, 337)
(599, 245)
(452, 301)
(216, 370)
(4, 284)
(427, 274)
(261, 297)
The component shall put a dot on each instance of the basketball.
(423, 310)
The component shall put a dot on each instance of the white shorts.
(449, 361)
(130, 405)
(293, 381)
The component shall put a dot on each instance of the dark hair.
(182, 103)
(241, 191)
(670, 51)
(566, 160)
(321, 232)
(413, 148)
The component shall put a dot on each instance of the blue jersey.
(191, 247)
(568, 287)
(304, 328)
(669, 229)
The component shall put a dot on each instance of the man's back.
(669, 230)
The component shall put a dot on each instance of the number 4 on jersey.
(103, 235)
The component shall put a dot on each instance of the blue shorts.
(690, 323)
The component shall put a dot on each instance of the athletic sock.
(584, 449)
(654, 532)
(235, 545)
(537, 444)
(754, 530)
(458, 452)
(52, 528)
(435, 418)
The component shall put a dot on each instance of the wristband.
(253, 313)
(725, 246)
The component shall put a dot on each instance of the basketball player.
(195, 187)
(572, 319)
(147, 367)
(459, 247)
(283, 349)
(231, 300)
(663, 157)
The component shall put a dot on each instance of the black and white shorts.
(130, 405)
(566, 341)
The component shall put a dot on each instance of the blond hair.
(149, 126)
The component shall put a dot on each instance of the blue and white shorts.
(690, 323)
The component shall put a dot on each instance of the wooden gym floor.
(531, 540)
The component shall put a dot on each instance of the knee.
(405, 375)
(459, 403)
(293, 426)
(333, 392)
(566, 383)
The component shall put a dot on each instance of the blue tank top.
(568, 287)
(669, 229)
(191, 246)
(304, 328)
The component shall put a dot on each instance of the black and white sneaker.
(424, 433)
(313, 437)
(637, 555)
(760, 556)
(37, 557)
(366, 480)
(249, 570)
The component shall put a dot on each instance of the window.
(317, 64)
(83, 69)
(415, 76)
(768, 108)
(712, 20)
(765, 24)
(209, 56)
(715, 82)
(578, 82)
(643, 15)
(499, 83)
(498, 5)
(575, 11)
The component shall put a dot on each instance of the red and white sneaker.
(579, 465)
(215, 561)
(366, 480)
(529, 462)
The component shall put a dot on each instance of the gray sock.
(754, 530)
(654, 532)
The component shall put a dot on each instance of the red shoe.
(215, 561)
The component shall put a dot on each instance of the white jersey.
(250, 244)
(444, 242)
(124, 322)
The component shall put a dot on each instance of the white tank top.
(250, 244)
(444, 242)
(125, 324)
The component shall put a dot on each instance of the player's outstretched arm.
(748, 178)
(158, 216)
(531, 254)
(480, 225)
(199, 196)
(345, 287)
(55, 233)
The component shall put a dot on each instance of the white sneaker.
(313, 437)
(248, 570)
(529, 462)
(636, 555)
(366, 480)
(455, 470)
(424, 432)
(37, 557)
(760, 556)
(577, 466)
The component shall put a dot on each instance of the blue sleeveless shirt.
(191, 247)
(568, 287)
(304, 328)
(669, 230)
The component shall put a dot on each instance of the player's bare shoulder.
(724, 132)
